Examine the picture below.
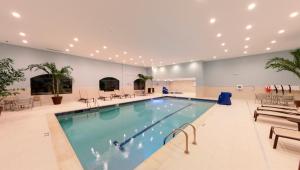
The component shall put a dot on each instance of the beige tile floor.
(228, 138)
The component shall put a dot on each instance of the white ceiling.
(167, 31)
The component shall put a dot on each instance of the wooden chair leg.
(275, 142)
(271, 132)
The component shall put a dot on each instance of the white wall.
(87, 72)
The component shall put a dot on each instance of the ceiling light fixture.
(251, 6)
(25, 41)
(16, 15)
(71, 45)
(76, 39)
(67, 50)
(116, 55)
(226, 50)
(131, 59)
(246, 46)
(219, 35)
(140, 56)
(97, 51)
(223, 44)
(91, 54)
(248, 27)
(268, 48)
(214, 57)
(125, 52)
(109, 58)
(22, 34)
(245, 52)
(247, 38)
(104, 47)
(281, 31)
(212, 20)
(273, 41)
(294, 14)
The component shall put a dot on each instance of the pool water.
(140, 128)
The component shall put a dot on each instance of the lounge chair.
(129, 93)
(104, 95)
(274, 114)
(278, 110)
(119, 94)
(280, 132)
(84, 96)
(280, 107)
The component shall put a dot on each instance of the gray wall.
(247, 70)
(87, 72)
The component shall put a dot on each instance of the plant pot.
(1, 108)
(57, 100)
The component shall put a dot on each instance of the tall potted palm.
(57, 76)
(144, 77)
(8, 76)
(282, 64)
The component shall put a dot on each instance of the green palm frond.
(282, 64)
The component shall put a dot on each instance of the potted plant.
(282, 64)
(144, 77)
(8, 76)
(57, 76)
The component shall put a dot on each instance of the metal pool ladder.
(180, 129)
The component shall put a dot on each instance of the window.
(42, 85)
(109, 84)
(139, 84)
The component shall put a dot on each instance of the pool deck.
(227, 137)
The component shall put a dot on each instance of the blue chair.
(224, 98)
(165, 90)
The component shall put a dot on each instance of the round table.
(295, 120)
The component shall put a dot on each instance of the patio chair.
(104, 95)
(278, 110)
(274, 114)
(279, 107)
(119, 94)
(280, 132)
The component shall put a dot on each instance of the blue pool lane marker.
(121, 145)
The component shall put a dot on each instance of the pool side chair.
(119, 94)
(274, 114)
(129, 93)
(84, 96)
(279, 107)
(279, 110)
(280, 132)
(103, 95)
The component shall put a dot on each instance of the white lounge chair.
(279, 107)
(274, 114)
(280, 132)
(104, 95)
(278, 110)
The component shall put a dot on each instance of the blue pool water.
(140, 128)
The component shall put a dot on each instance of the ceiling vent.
(54, 50)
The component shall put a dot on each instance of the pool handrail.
(178, 130)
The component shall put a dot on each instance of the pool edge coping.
(65, 155)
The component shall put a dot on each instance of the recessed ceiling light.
(226, 50)
(67, 50)
(245, 52)
(273, 41)
(109, 58)
(91, 54)
(140, 56)
(135, 63)
(124, 61)
(16, 15)
(251, 6)
(76, 39)
(173, 63)
(117, 55)
(294, 14)
(212, 20)
(151, 59)
(104, 47)
(25, 41)
(268, 48)
(219, 35)
(223, 44)
(131, 59)
(97, 51)
(246, 46)
(247, 38)
(248, 27)
(125, 52)
(214, 57)
(281, 31)
(71, 45)
(22, 34)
